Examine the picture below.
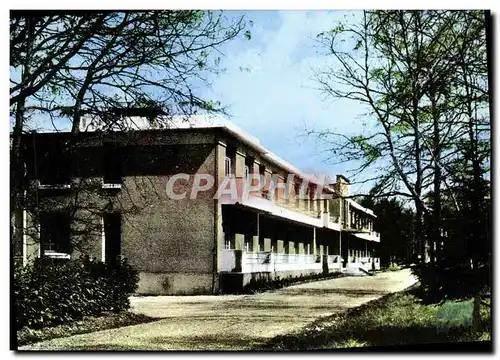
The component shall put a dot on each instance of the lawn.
(396, 319)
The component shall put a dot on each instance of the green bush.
(50, 292)
(265, 284)
(450, 279)
(394, 267)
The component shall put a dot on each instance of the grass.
(396, 319)
(89, 324)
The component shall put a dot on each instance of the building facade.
(175, 203)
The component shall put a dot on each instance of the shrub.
(394, 267)
(265, 284)
(49, 292)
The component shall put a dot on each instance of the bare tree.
(105, 65)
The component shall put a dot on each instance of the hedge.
(50, 292)
(265, 284)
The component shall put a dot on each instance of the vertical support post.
(103, 241)
(314, 252)
(258, 232)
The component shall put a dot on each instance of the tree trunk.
(476, 313)
(435, 234)
(419, 233)
(16, 152)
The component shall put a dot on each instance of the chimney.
(342, 185)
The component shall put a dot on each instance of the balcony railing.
(308, 207)
(301, 207)
(242, 261)
(333, 218)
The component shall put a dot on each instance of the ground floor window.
(274, 245)
(55, 232)
(229, 243)
(112, 237)
(248, 243)
(307, 249)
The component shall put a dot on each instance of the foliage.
(86, 325)
(451, 280)
(394, 267)
(423, 77)
(70, 64)
(50, 292)
(394, 222)
(265, 284)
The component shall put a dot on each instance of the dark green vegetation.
(87, 324)
(52, 292)
(394, 222)
(424, 78)
(264, 284)
(397, 319)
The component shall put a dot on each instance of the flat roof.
(208, 122)
(220, 122)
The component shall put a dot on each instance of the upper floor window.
(230, 161)
(296, 189)
(262, 173)
(112, 164)
(248, 166)
(275, 177)
(263, 181)
(227, 166)
(54, 163)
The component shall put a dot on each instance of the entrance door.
(112, 237)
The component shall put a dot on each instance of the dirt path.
(233, 322)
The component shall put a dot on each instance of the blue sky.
(269, 89)
(278, 97)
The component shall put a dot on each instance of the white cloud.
(278, 97)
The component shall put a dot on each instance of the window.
(296, 189)
(274, 245)
(112, 166)
(54, 163)
(228, 240)
(312, 194)
(227, 166)
(229, 161)
(248, 243)
(262, 173)
(248, 167)
(112, 237)
(55, 232)
(275, 178)
(261, 243)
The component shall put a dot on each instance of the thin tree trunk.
(17, 164)
(436, 216)
(476, 313)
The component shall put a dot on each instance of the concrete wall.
(170, 242)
